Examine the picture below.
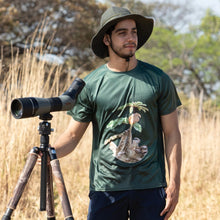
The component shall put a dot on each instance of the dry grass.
(200, 191)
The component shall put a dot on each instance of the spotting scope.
(32, 106)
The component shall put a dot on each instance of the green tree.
(70, 23)
(204, 66)
(191, 59)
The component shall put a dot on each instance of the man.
(132, 107)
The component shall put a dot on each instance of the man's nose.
(132, 37)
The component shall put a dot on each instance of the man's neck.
(121, 64)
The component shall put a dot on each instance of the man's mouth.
(130, 45)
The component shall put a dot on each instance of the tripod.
(46, 186)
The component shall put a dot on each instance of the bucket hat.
(111, 17)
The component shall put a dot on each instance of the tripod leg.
(23, 179)
(50, 197)
(43, 180)
(58, 178)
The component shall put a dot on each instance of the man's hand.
(173, 152)
(171, 201)
(39, 159)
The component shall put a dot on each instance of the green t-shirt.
(125, 110)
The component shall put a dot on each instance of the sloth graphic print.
(128, 149)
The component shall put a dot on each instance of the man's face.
(123, 40)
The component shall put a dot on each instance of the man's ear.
(106, 40)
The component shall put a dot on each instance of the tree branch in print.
(114, 123)
(132, 119)
(139, 105)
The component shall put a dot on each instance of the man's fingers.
(169, 212)
(169, 209)
(166, 209)
(39, 160)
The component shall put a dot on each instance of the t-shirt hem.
(129, 188)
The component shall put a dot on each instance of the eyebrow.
(124, 29)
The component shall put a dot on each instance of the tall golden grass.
(200, 191)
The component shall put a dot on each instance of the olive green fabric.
(125, 110)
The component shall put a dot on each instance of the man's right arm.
(67, 141)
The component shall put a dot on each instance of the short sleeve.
(82, 111)
(168, 99)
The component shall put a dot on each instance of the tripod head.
(44, 127)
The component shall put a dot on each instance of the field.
(200, 191)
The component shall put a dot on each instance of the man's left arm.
(173, 153)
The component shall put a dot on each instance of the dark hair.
(109, 31)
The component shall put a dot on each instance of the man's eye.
(122, 33)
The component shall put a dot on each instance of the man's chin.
(128, 56)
